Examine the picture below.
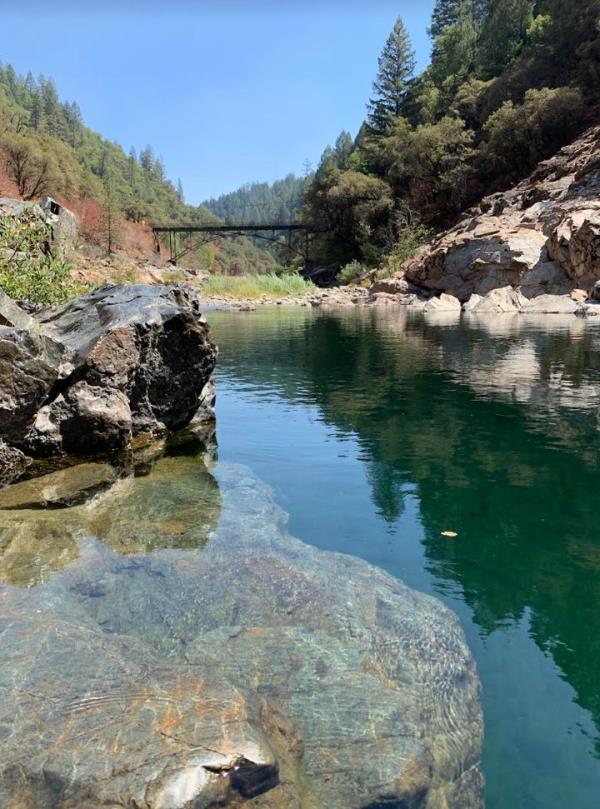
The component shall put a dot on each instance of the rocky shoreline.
(534, 249)
(541, 239)
(398, 291)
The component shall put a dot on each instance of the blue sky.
(226, 92)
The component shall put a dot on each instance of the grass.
(251, 287)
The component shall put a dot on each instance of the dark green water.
(379, 433)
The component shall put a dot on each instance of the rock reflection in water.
(256, 671)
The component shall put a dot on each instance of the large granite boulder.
(64, 227)
(574, 245)
(108, 366)
(551, 305)
(542, 236)
(503, 300)
(255, 671)
(443, 303)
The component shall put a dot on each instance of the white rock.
(445, 303)
(551, 305)
(498, 301)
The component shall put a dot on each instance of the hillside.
(260, 203)
(47, 149)
(509, 83)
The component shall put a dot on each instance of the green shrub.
(410, 239)
(351, 272)
(519, 136)
(28, 270)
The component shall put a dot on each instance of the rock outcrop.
(61, 222)
(541, 237)
(112, 364)
(254, 671)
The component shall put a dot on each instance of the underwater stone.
(256, 671)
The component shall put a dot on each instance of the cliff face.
(541, 237)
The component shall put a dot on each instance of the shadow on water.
(489, 429)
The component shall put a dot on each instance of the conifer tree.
(504, 34)
(396, 66)
(343, 149)
(445, 14)
(450, 12)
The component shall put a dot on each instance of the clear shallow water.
(379, 433)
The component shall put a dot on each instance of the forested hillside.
(510, 82)
(45, 148)
(259, 203)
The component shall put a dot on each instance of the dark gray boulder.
(108, 366)
(31, 365)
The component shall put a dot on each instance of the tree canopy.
(509, 83)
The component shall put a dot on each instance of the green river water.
(379, 432)
(459, 455)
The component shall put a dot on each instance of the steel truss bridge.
(182, 239)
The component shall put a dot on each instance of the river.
(380, 432)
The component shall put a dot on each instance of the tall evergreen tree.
(504, 34)
(454, 51)
(445, 13)
(343, 149)
(180, 190)
(147, 159)
(396, 66)
(450, 12)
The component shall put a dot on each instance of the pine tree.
(131, 164)
(396, 66)
(147, 159)
(180, 190)
(445, 14)
(343, 149)
(450, 12)
(504, 34)
(110, 221)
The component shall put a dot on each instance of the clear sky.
(226, 92)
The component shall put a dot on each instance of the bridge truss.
(182, 239)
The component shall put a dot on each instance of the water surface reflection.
(380, 432)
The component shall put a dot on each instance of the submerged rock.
(60, 489)
(257, 672)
